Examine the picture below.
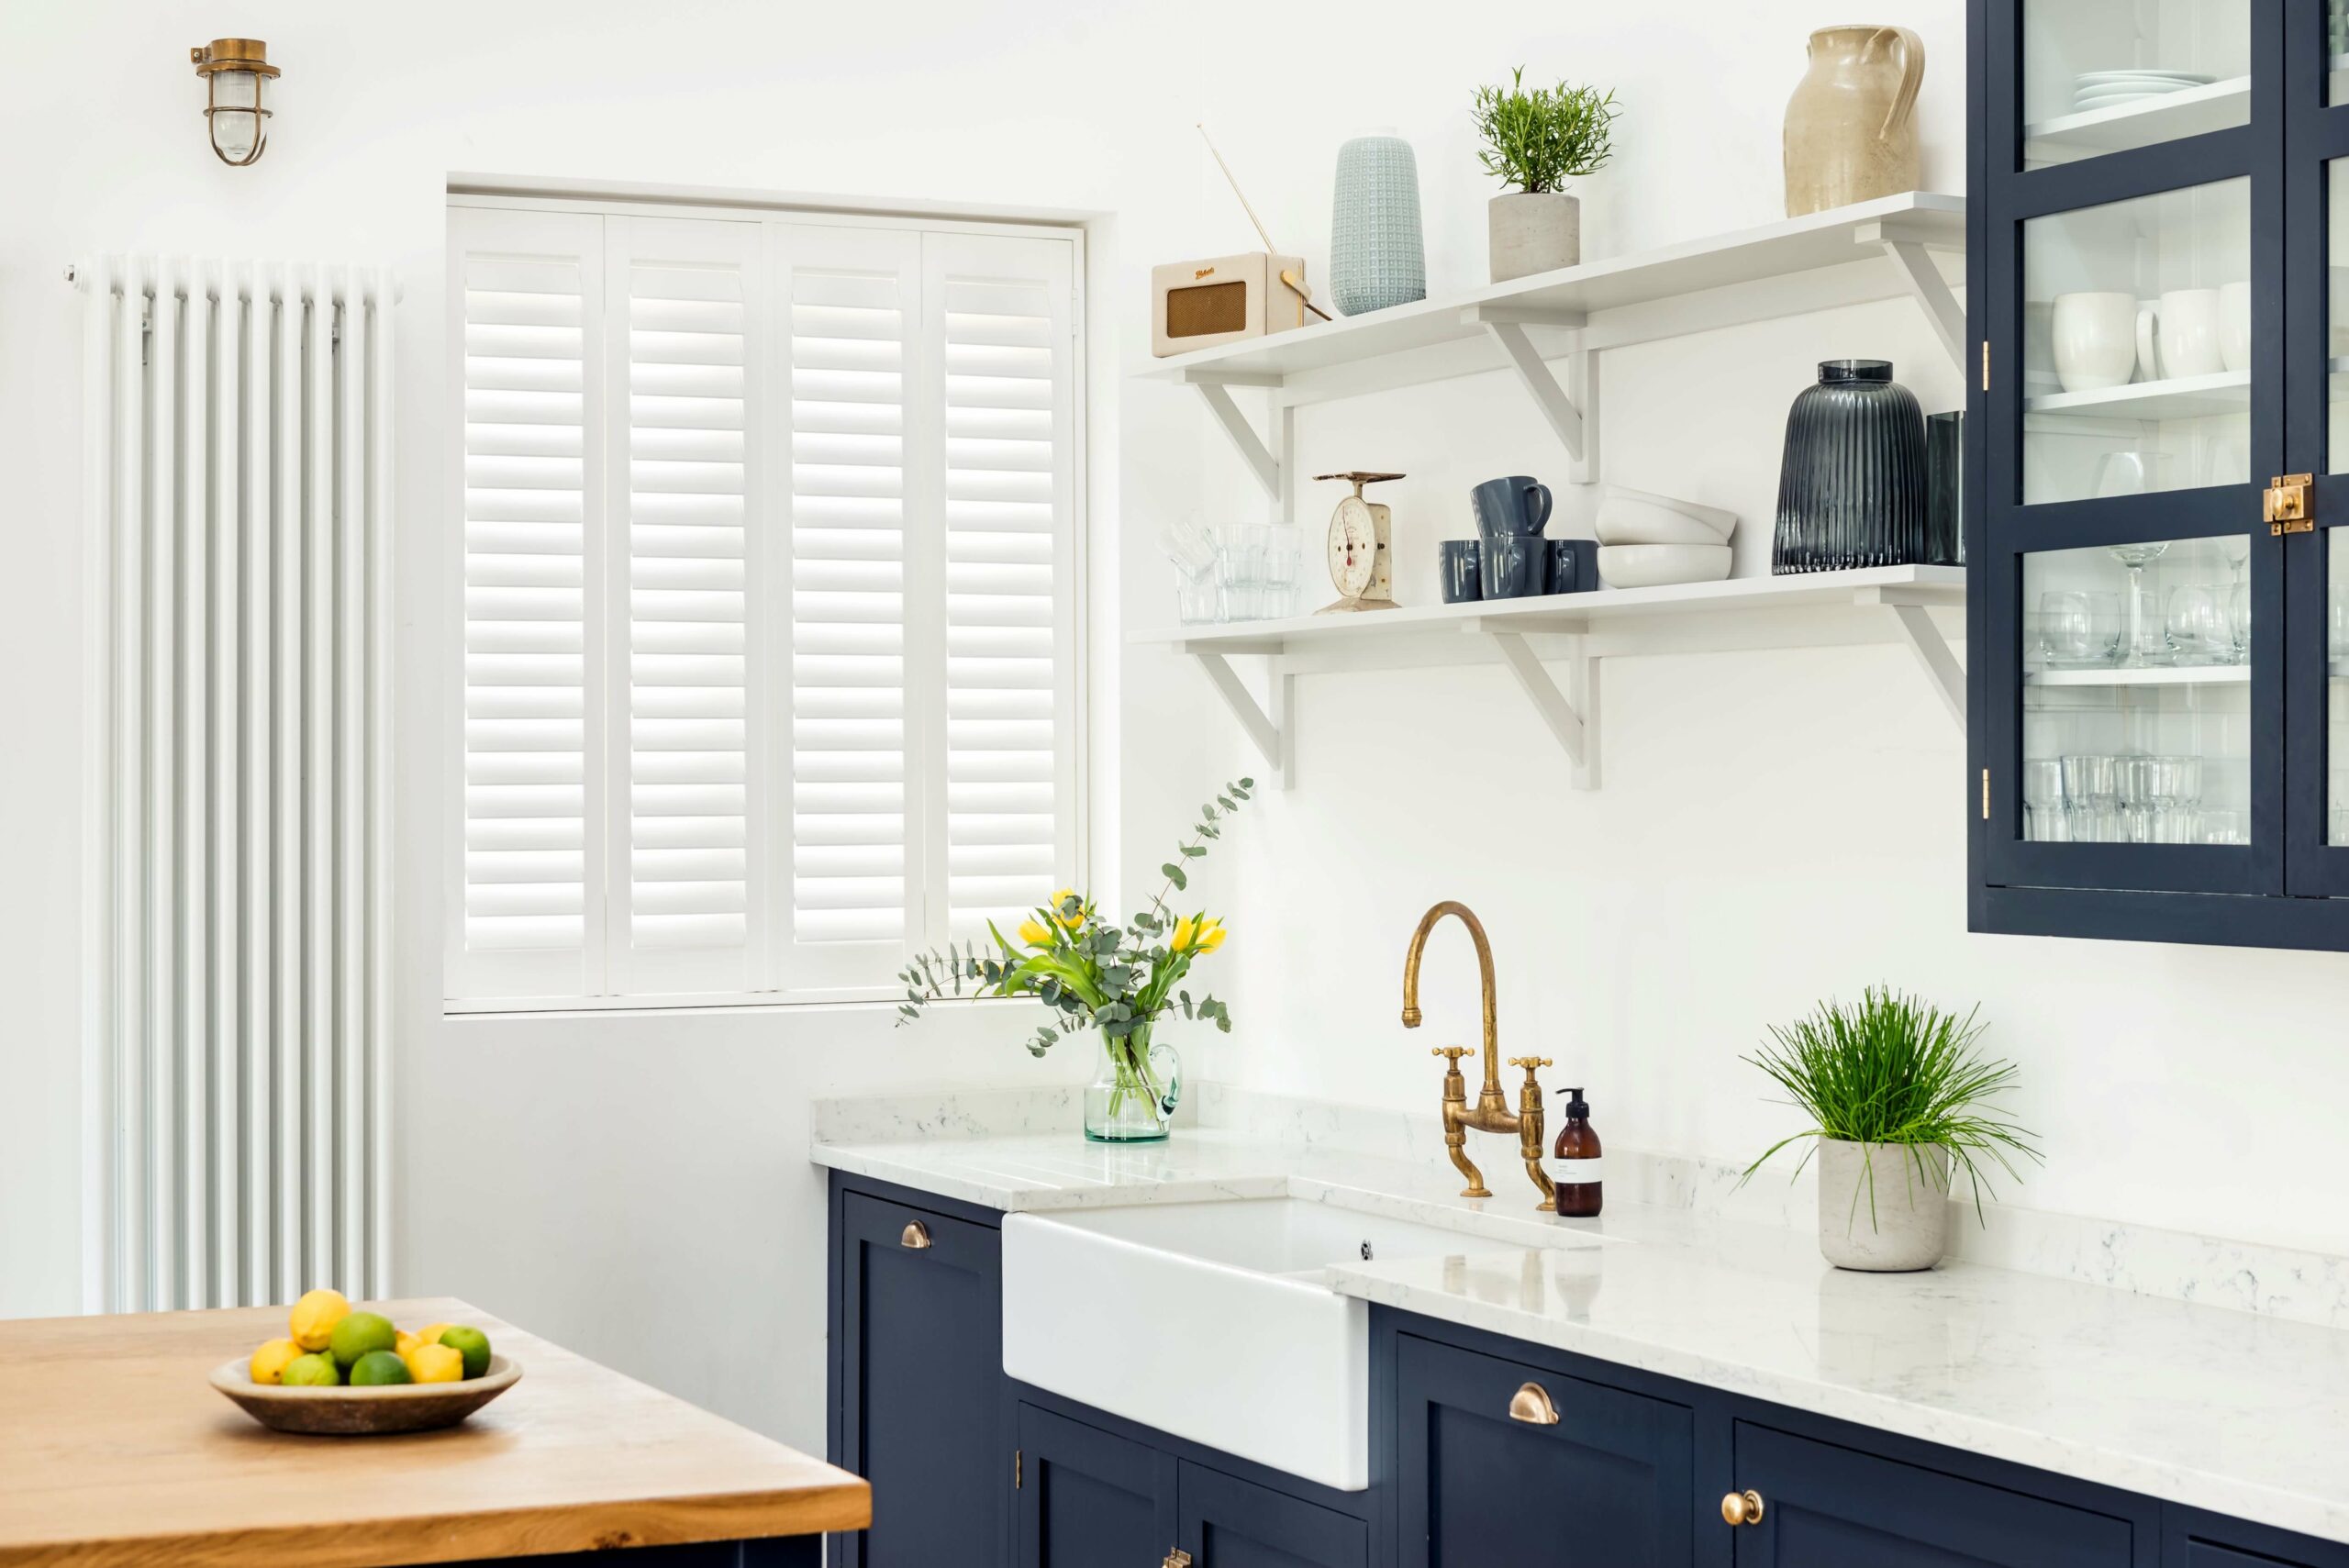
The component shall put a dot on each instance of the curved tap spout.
(1492, 1089)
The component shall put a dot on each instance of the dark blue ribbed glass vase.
(1852, 485)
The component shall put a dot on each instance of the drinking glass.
(2225, 826)
(2044, 818)
(2092, 791)
(2198, 630)
(2066, 632)
(2237, 550)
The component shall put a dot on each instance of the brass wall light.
(233, 70)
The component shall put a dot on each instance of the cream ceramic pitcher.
(1852, 123)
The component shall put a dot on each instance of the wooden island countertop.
(114, 1451)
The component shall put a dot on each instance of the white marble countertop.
(2204, 1406)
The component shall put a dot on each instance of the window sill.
(873, 1000)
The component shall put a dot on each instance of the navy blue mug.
(1574, 566)
(1461, 564)
(1517, 506)
(1516, 566)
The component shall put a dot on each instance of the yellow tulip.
(1186, 931)
(1211, 935)
(1060, 905)
(1034, 935)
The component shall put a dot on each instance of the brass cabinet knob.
(1742, 1507)
(915, 1235)
(1178, 1558)
(1531, 1404)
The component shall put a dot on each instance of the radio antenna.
(1295, 283)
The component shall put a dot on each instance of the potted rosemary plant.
(1899, 1094)
(1536, 142)
(1118, 981)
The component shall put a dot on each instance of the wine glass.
(2144, 645)
(2236, 549)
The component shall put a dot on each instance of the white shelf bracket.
(1572, 409)
(1273, 733)
(1251, 449)
(1556, 712)
(1941, 668)
(1915, 261)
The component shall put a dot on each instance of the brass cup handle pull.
(1742, 1507)
(1532, 1405)
(916, 1235)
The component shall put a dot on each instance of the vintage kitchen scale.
(1360, 549)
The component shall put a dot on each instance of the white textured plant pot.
(1909, 1229)
(1534, 231)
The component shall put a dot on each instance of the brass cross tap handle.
(1742, 1507)
(1454, 1051)
(1530, 1064)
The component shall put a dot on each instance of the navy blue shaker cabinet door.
(923, 1390)
(1230, 1523)
(1089, 1499)
(1610, 1484)
(1824, 1507)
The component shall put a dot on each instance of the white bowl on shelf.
(1660, 565)
(1634, 517)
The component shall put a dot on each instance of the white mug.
(2094, 339)
(2184, 326)
(2235, 327)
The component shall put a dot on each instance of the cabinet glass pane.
(2336, 52)
(2336, 689)
(2137, 713)
(2102, 76)
(2336, 305)
(2137, 345)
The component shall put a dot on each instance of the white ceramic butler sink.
(1210, 1320)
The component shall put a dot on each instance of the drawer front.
(1610, 1484)
(1230, 1523)
(923, 1391)
(1824, 1507)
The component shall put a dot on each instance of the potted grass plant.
(1899, 1094)
(1535, 142)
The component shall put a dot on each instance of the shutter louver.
(529, 871)
(1000, 308)
(850, 383)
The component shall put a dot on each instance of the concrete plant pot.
(1534, 231)
(1903, 1225)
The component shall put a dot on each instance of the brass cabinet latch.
(2285, 504)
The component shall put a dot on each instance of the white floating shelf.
(2190, 111)
(2180, 397)
(1875, 603)
(2167, 675)
(1876, 250)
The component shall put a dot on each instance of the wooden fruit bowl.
(363, 1412)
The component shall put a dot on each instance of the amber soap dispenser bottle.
(1576, 1166)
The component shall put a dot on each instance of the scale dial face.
(1354, 547)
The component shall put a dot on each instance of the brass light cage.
(222, 55)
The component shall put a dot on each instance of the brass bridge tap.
(1491, 1112)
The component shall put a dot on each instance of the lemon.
(269, 1361)
(316, 1370)
(377, 1368)
(404, 1346)
(431, 1333)
(358, 1333)
(315, 1316)
(437, 1363)
(473, 1344)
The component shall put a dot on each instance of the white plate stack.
(2093, 89)
(1648, 541)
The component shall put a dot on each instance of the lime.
(359, 1332)
(377, 1368)
(316, 1370)
(471, 1344)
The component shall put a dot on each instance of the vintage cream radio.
(1197, 304)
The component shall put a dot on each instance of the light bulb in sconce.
(233, 70)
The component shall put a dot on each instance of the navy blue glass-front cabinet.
(2158, 631)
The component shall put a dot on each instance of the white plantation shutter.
(686, 716)
(1000, 310)
(526, 916)
(771, 623)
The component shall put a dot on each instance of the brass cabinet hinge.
(1986, 794)
(1017, 1456)
(1986, 364)
(2284, 505)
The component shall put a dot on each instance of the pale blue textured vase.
(1377, 257)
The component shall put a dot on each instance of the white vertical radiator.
(237, 503)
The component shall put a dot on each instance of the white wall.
(1776, 828)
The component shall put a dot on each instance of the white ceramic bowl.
(2142, 74)
(1655, 566)
(1634, 517)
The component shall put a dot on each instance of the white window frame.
(1073, 697)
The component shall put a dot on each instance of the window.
(766, 666)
